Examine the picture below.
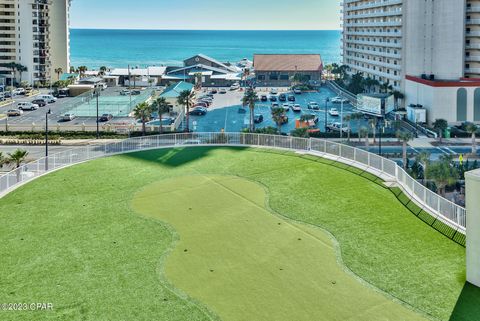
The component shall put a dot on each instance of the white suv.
(27, 106)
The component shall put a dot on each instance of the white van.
(48, 98)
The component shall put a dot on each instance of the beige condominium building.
(34, 34)
(429, 50)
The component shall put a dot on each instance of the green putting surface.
(244, 263)
(76, 238)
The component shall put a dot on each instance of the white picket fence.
(437, 206)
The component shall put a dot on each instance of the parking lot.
(36, 119)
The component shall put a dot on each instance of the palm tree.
(363, 132)
(198, 80)
(440, 125)
(103, 70)
(3, 160)
(348, 120)
(373, 122)
(249, 100)
(82, 70)
(58, 71)
(245, 75)
(472, 129)
(443, 173)
(162, 107)
(72, 69)
(278, 116)
(404, 137)
(143, 112)
(21, 69)
(424, 159)
(397, 95)
(357, 117)
(17, 158)
(14, 67)
(186, 99)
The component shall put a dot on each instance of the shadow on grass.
(178, 156)
(468, 304)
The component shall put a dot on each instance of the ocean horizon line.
(241, 30)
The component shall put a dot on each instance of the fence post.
(310, 144)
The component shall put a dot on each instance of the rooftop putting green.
(244, 263)
(74, 238)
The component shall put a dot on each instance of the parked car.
(213, 91)
(274, 91)
(286, 107)
(198, 111)
(101, 85)
(48, 98)
(222, 91)
(258, 118)
(14, 112)
(313, 105)
(62, 93)
(334, 112)
(68, 117)
(297, 91)
(291, 98)
(340, 100)
(282, 97)
(202, 104)
(273, 98)
(125, 92)
(106, 117)
(264, 98)
(335, 127)
(27, 106)
(39, 102)
(297, 108)
(235, 86)
(19, 91)
(136, 92)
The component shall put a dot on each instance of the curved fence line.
(437, 206)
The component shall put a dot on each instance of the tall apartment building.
(35, 34)
(428, 49)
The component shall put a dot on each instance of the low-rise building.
(457, 101)
(280, 70)
(213, 72)
(172, 92)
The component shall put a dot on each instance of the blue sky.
(206, 14)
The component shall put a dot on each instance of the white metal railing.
(437, 206)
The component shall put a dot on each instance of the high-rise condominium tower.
(34, 34)
(429, 50)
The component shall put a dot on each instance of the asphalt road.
(57, 109)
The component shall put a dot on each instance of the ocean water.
(118, 48)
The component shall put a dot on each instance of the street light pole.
(46, 138)
(341, 117)
(326, 111)
(97, 93)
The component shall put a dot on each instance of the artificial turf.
(75, 238)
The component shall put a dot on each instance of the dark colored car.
(39, 102)
(199, 111)
(282, 97)
(291, 98)
(258, 119)
(264, 98)
(273, 98)
(136, 92)
(214, 91)
(106, 117)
